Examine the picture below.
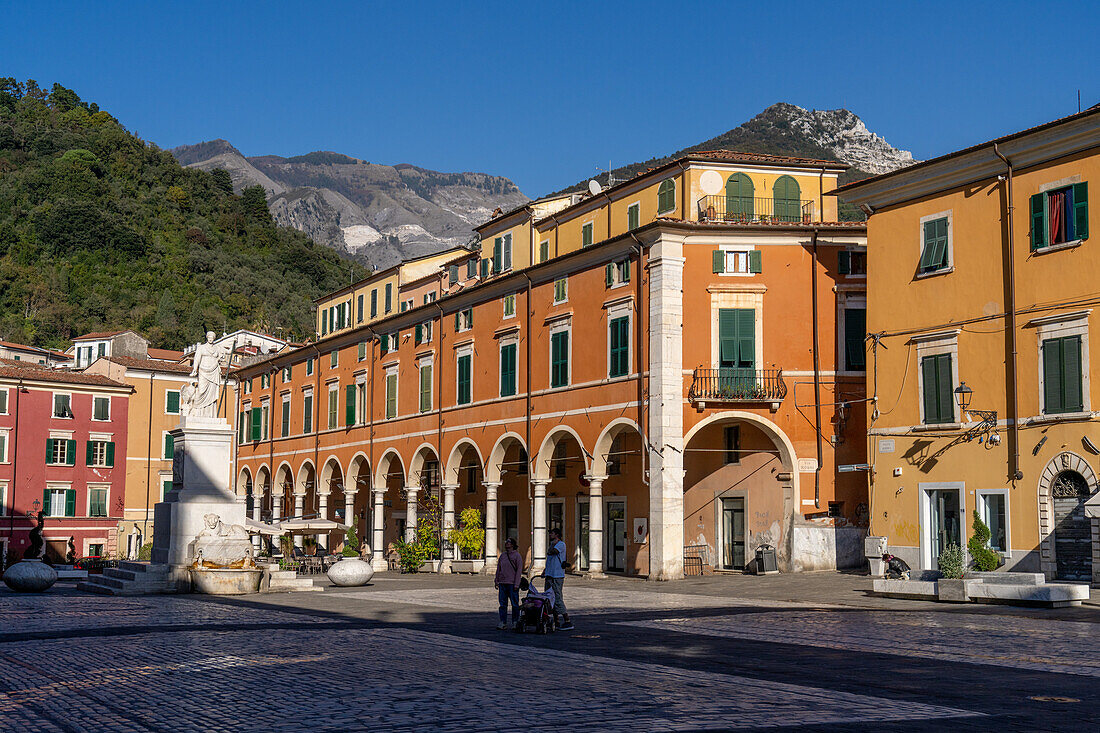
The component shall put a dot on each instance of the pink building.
(62, 450)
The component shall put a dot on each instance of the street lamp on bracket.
(988, 424)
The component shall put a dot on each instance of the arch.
(786, 197)
(603, 443)
(454, 461)
(1064, 461)
(666, 196)
(359, 466)
(739, 197)
(423, 453)
(496, 456)
(331, 465)
(244, 481)
(284, 477)
(300, 486)
(546, 452)
(787, 453)
(385, 466)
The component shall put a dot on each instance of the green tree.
(222, 180)
(983, 557)
(254, 204)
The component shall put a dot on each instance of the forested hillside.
(100, 230)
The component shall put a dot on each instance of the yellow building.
(981, 272)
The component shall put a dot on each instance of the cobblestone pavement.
(1049, 646)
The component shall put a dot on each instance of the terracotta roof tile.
(98, 335)
(739, 157)
(11, 369)
(152, 365)
(168, 354)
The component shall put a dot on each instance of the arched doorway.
(739, 198)
(1067, 539)
(331, 500)
(786, 197)
(305, 496)
(615, 517)
(506, 472)
(390, 476)
(464, 476)
(560, 472)
(359, 482)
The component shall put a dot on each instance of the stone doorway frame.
(1064, 461)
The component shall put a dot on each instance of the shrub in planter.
(951, 561)
(410, 555)
(351, 541)
(982, 556)
(145, 552)
(469, 537)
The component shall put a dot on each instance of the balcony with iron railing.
(745, 210)
(738, 385)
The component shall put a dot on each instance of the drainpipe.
(439, 427)
(14, 472)
(817, 373)
(316, 424)
(370, 424)
(527, 385)
(638, 336)
(148, 461)
(1014, 425)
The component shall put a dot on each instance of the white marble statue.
(222, 545)
(209, 362)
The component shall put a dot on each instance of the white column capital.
(450, 488)
(595, 482)
(378, 490)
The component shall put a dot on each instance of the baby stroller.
(536, 612)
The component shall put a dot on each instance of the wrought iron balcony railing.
(737, 385)
(745, 210)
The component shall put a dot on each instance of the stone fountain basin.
(226, 581)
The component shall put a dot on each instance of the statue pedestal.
(202, 484)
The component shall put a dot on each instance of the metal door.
(582, 535)
(733, 534)
(616, 536)
(944, 525)
(1072, 529)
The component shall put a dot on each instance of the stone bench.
(1016, 588)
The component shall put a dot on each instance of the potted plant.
(469, 539)
(951, 586)
(982, 556)
(350, 570)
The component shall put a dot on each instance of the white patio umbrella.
(309, 526)
(262, 528)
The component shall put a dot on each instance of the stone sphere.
(350, 571)
(30, 576)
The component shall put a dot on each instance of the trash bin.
(766, 563)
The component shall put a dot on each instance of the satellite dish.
(711, 182)
(594, 187)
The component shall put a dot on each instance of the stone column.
(322, 509)
(299, 509)
(349, 518)
(378, 560)
(410, 512)
(538, 531)
(448, 554)
(666, 409)
(257, 504)
(492, 540)
(595, 526)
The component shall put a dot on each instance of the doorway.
(616, 536)
(1072, 529)
(510, 515)
(582, 535)
(733, 533)
(943, 527)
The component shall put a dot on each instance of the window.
(464, 320)
(248, 386)
(3, 447)
(359, 308)
(284, 423)
(3, 505)
(95, 549)
(374, 303)
(561, 290)
(933, 255)
(334, 359)
(172, 402)
(936, 385)
(169, 447)
(508, 370)
(1062, 389)
(61, 406)
(855, 334)
(256, 424)
(288, 373)
(740, 204)
(59, 502)
(786, 199)
(265, 420)
(391, 395)
(389, 297)
(544, 251)
(361, 402)
(666, 197)
(97, 502)
(732, 437)
(423, 333)
(349, 405)
(463, 394)
(362, 350)
(737, 348)
(619, 346)
(633, 216)
(993, 509)
(61, 452)
(617, 273)
(324, 322)
(425, 387)
(502, 253)
(3, 402)
(242, 426)
(309, 367)
(101, 408)
(743, 262)
(852, 262)
(101, 350)
(484, 269)
(101, 453)
(406, 305)
(1060, 215)
(265, 381)
(509, 305)
(307, 412)
(471, 269)
(333, 405)
(559, 358)
(586, 235)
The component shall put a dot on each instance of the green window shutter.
(173, 402)
(89, 454)
(70, 452)
(463, 396)
(362, 350)
(1081, 210)
(1038, 220)
(49, 450)
(373, 303)
(727, 337)
(544, 251)
(70, 502)
(324, 325)
(425, 388)
(855, 327)
(349, 405)
(844, 263)
(391, 395)
(944, 388)
(1071, 374)
(470, 316)
(497, 247)
(939, 258)
(484, 269)
(241, 434)
(419, 334)
(1052, 376)
(384, 344)
(929, 248)
(746, 338)
(458, 321)
(931, 403)
(718, 261)
(609, 274)
(618, 331)
(110, 454)
(559, 359)
(452, 274)
(632, 217)
(46, 501)
(257, 423)
(586, 235)
(666, 197)
(389, 297)
(508, 370)
(626, 271)
(755, 261)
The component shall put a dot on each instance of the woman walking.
(509, 573)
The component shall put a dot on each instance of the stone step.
(282, 584)
(136, 567)
(121, 574)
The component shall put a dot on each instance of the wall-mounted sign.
(886, 445)
(807, 465)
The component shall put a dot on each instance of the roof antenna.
(1078, 101)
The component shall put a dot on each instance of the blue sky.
(543, 93)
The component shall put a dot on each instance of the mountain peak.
(187, 154)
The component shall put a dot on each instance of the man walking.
(555, 576)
